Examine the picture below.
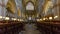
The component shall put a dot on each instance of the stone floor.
(30, 29)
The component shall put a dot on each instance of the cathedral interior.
(29, 16)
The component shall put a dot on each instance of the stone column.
(3, 8)
(0, 7)
(58, 8)
(19, 5)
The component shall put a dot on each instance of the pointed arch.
(29, 6)
(11, 6)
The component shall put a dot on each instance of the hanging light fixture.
(55, 17)
(0, 17)
(50, 18)
(7, 18)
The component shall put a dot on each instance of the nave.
(30, 29)
(15, 27)
(29, 16)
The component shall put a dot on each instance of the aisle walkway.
(30, 29)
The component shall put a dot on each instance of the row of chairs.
(11, 27)
(49, 28)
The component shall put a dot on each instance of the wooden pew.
(52, 27)
(10, 27)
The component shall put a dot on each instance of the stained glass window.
(30, 6)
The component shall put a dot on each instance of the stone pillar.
(19, 6)
(58, 8)
(0, 7)
(3, 8)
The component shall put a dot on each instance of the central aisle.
(30, 29)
